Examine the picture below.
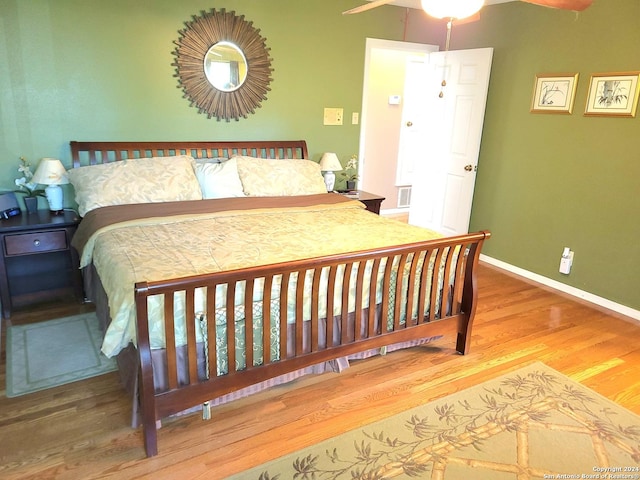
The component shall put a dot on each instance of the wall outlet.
(566, 261)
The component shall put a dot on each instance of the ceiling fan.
(575, 5)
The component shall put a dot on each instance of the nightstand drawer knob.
(36, 242)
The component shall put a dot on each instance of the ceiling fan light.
(451, 8)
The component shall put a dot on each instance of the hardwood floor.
(80, 431)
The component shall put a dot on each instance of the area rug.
(56, 352)
(529, 424)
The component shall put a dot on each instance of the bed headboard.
(92, 153)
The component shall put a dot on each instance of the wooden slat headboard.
(92, 153)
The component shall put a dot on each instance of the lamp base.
(55, 198)
(329, 180)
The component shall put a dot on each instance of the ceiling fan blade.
(367, 6)
(576, 5)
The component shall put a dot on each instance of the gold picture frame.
(554, 93)
(613, 94)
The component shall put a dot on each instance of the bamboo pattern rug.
(56, 352)
(529, 424)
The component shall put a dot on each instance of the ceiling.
(416, 3)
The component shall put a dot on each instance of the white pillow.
(140, 180)
(263, 177)
(211, 160)
(219, 180)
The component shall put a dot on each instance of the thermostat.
(394, 99)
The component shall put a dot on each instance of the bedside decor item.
(351, 172)
(52, 173)
(27, 185)
(554, 93)
(613, 94)
(30, 204)
(329, 163)
(9, 205)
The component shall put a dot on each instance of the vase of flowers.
(351, 172)
(27, 187)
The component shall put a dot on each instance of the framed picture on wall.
(554, 93)
(613, 94)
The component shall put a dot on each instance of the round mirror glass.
(225, 66)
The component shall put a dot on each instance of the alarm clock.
(9, 205)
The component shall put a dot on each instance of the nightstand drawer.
(35, 242)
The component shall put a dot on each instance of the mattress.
(129, 244)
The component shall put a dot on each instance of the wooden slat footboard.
(416, 291)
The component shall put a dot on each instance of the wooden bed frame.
(449, 292)
(91, 153)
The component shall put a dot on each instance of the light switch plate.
(333, 116)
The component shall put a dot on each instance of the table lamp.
(52, 173)
(329, 163)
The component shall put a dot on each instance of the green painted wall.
(101, 70)
(549, 181)
(96, 70)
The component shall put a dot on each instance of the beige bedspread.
(219, 235)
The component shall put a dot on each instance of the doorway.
(382, 110)
(396, 136)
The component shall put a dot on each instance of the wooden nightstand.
(371, 201)
(37, 261)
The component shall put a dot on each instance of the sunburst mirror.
(222, 65)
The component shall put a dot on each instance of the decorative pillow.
(211, 160)
(140, 180)
(262, 177)
(219, 180)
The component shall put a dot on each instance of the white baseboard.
(589, 297)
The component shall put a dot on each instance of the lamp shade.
(330, 163)
(50, 171)
(451, 8)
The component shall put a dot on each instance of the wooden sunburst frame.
(196, 38)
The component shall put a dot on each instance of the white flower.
(23, 182)
(351, 169)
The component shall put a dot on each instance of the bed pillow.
(140, 180)
(219, 180)
(211, 160)
(263, 177)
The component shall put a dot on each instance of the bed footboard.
(417, 290)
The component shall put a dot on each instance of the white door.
(414, 118)
(444, 178)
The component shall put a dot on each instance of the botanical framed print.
(613, 94)
(554, 93)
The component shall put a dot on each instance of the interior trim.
(573, 291)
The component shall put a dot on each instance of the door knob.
(409, 124)
(468, 168)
